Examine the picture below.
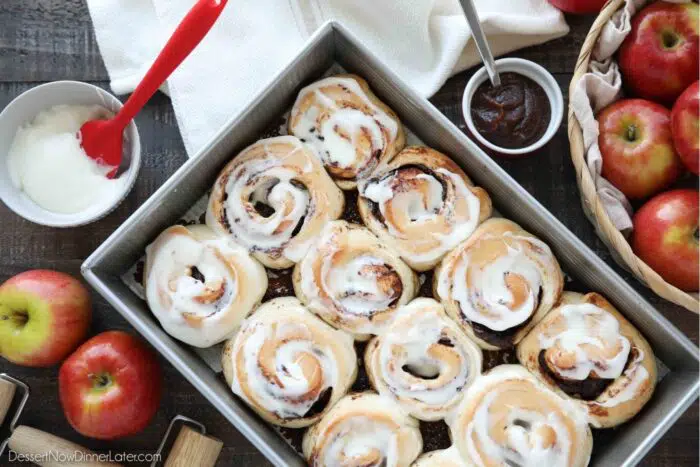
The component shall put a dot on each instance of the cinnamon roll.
(423, 361)
(363, 430)
(586, 350)
(273, 198)
(201, 286)
(422, 204)
(288, 365)
(350, 129)
(444, 458)
(509, 417)
(352, 281)
(499, 283)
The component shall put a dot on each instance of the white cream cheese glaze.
(508, 417)
(200, 286)
(588, 352)
(282, 176)
(349, 129)
(284, 360)
(423, 205)
(353, 281)
(589, 326)
(486, 285)
(362, 430)
(501, 278)
(47, 162)
(423, 360)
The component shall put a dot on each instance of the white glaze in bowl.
(23, 110)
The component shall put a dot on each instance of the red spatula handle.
(186, 37)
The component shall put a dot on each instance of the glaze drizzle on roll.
(588, 351)
(288, 365)
(423, 205)
(200, 286)
(423, 361)
(363, 429)
(349, 128)
(273, 198)
(499, 283)
(352, 281)
(508, 417)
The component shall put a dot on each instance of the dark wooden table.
(47, 40)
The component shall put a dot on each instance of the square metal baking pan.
(334, 44)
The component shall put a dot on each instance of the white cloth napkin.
(597, 89)
(423, 41)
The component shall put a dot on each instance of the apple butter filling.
(586, 389)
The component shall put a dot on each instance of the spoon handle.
(186, 37)
(482, 44)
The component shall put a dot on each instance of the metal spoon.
(481, 43)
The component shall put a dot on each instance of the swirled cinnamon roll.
(288, 365)
(444, 458)
(273, 198)
(350, 129)
(352, 281)
(201, 286)
(499, 283)
(422, 204)
(363, 430)
(423, 361)
(509, 417)
(586, 350)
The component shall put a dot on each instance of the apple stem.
(670, 39)
(101, 380)
(20, 318)
(631, 133)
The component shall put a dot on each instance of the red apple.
(666, 237)
(578, 6)
(659, 57)
(637, 147)
(111, 386)
(685, 126)
(44, 315)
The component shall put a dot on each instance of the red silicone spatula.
(102, 139)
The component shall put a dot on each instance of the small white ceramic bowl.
(536, 73)
(23, 110)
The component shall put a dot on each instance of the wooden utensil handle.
(192, 449)
(47, 450)
(7, 394)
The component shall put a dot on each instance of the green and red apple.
(659, 57)
(637, 147)
(111, 386)
(44, 316)
(685, 126)
(665, 237)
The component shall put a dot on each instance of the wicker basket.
(616, 242)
